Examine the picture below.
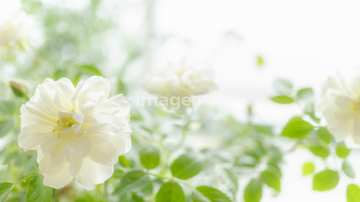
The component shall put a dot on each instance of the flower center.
(65, 121)
(356, 106)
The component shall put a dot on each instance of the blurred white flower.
(14, 31)
(77, 131)
(339, 105)
(180, 82)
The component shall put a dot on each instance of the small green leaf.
(149, 157)
(37, 192)
(309, 110)
(282, 99)
(209, 194)
(253, 191)
(5, 189)
(320, 151)
(283, 86)
(60, 73)
(89, 70)
(271, 180)
(324, 135)
(234, 184)
(348, 170)
(135, 181)
(297, 128)
(185, 167)
(308, 168)
(325, 180)
(5, 126)
(170, 192)
(305, 93)
(342, 151)
(121, 88)
(123, 161)
(259, 61)
(353, 193)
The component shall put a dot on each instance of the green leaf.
(305, 93)
(297, 128)
(253, 191)
(233, 181)
(259, 61)
(209, 194)
(348, 170)
(309, 110)
(324, 135)
(37, 192)
(353, 193)
(5, 126)
(123, 161)
(185, 167)
(170, 192)
(282, 99)
(342, 151)
(283, 86)
(89, 70)
(320, 151)
(135, 181)
(149, 157)
(5, 189)
(121, 88)
(325, 180)
(271, 180)
(308, 168)
(60, 73)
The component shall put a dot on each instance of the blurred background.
(248, 44)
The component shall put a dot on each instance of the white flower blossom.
(339, 105)
(77, 131)
(14, 31)
(180, 81)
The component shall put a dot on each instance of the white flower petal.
(60, 179)
(92, 173)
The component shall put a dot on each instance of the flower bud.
(19, 87)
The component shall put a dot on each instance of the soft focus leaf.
(5, 126)
(271, 180)
(135, 181)
(297, 128)
(353, 193)
(185, 167)
(320, 151)
(37, 192)
(324, 135)
(282, 99)
(170, 192)
(342, 151)
(89, 70)
(5, 189)
(233, 180)
(348, 170)
(305, 93)
(283, 86)
(149, 157)
(325, 180)
(253, 191)
(209, 194)
(308, 168)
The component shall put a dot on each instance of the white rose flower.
(339, 105)
(180, 81)
(77, 131)
(14, 31)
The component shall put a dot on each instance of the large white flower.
(77, 131)
(339, 105)
(180, 81)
